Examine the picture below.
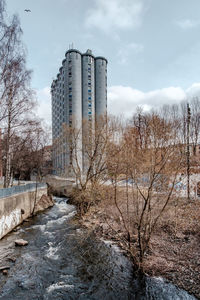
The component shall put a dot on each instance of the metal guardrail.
(20, 189)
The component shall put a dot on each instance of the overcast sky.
(152, 47)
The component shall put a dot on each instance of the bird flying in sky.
(27, 10)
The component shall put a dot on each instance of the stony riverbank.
(174, 253)
(7, 252)
(63, 260)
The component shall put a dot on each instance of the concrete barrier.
(6, 192)
(59, 186)
(16, 208)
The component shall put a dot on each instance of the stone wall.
(59, 186)
(16, 208)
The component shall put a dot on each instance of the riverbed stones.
(5, 272)
(21, 242)
(44, 202)
(12, 259)
(4, 268)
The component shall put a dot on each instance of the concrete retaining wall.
(16, 208)
(60, 186)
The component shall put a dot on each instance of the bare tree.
(16, 96)
(148, 159)
(195, 123)
(17, 105)
(87, 158)
(28, 153)
(10, 50)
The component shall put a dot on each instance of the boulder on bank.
(44, 202)
(4, 268)
(21, 242)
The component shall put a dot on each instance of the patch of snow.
(9, 222)
(158, 279)
(58, 286)
(112, 245)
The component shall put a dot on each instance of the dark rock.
(43, 203)
(21, 242)
(13, 259)
(5, 272)
(4, 268)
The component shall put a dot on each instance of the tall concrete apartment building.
(79, 93)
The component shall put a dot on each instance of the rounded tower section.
(74, 91)
(88, 103)
(73, 105)
(88, 86)
(101, 86)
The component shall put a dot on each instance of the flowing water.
(62, 261)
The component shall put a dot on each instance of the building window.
(89, 98)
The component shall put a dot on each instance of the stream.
(64, 261)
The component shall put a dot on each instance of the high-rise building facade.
(78, 94)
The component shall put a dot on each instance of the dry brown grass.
(174, 249)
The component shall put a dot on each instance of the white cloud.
(194, 90)
(124, 100)
(187, 23)
(44, 104)
(109, 15)
(127, 50)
